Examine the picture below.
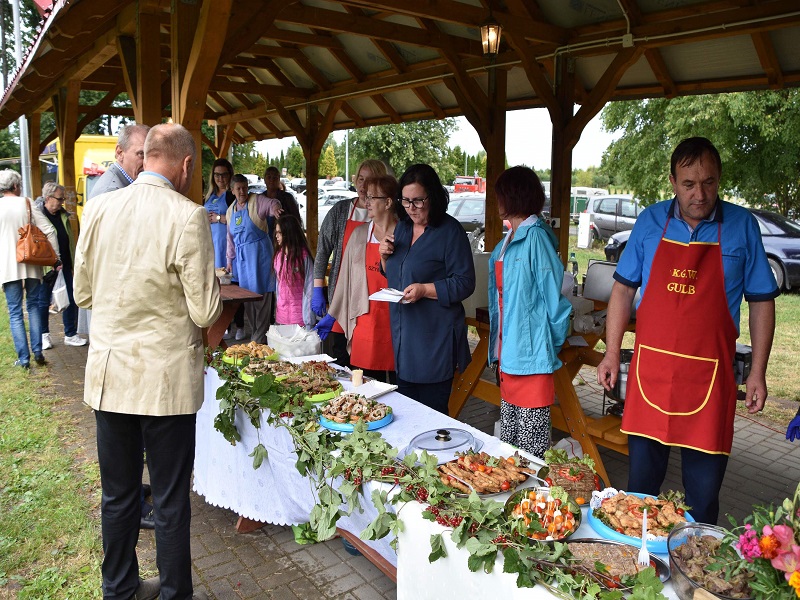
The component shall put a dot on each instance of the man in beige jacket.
(145, 266)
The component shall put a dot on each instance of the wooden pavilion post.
(65, 110)
(140, 58)
(198, 35)
(561, 150)
(495, 153)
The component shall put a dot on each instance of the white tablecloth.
(276, 493)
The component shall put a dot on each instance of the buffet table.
(276, 492)
(233, 297)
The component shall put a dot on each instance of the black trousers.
(337, 348)
(434, 395)
(702, 475)
(170, 445)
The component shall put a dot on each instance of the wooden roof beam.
(536, 75)
(383, 104)
(220, 84)
(228, 108)
(768, 59)
(338, 22)
(429, 101)
(659, 67)
(271, 51)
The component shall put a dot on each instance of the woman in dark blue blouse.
(430, 260)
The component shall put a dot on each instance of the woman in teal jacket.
(528, 315)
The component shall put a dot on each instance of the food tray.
(518, 496)
(662, 568)
(603, 530)
(326, 396)
(247, 378)
(237, 360)
(545, 471)
(310, 358)
(349, 427)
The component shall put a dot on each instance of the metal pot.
(621, 386)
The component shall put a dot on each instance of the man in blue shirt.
(694, 257)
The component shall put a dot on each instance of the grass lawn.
(783, 378)
(49, 532)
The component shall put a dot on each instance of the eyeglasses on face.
(415, 202)
(372, 198)
(59, 198)
(223, 175)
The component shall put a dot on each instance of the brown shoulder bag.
(33, 247)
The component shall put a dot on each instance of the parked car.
(781, 238)
(470, 210)
(610, 214)
(327, 198)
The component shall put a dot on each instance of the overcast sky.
(528, 135)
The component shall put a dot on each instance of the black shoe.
(148, 521)
(148, 589)
(146, 490)
(40, 360)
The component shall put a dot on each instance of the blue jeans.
(13, 291)
(69, 316)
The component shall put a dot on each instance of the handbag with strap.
(33, 247)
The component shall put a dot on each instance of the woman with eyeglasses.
(366, 322)
(528, 315)
(429, 259)
(334, 234)
(218, 198)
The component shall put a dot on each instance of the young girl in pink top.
(294, 274)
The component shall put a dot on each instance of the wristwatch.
(218, 218)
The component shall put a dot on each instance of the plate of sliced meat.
(620, 564)
(484, 474)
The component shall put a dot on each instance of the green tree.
(404, 144)
(757, 134)
(327, 166)
(246, 159)
(295, 160)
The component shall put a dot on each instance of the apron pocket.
(672, 383)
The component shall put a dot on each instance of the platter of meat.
(484, 474)
(235, 354)
(576, 475)
(619, 561)
(279, 368)
(317, 379)
(543, 514)
(619, 517)
(344, 411)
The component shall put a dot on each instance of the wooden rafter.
(768, 58)
(659, 67)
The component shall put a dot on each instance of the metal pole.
(24, 146)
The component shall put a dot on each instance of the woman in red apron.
(334, 235)
(681, 387)
(366, 323)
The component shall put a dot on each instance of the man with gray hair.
(145, 265)
(130, 156)
(52, 207)
(21, 278)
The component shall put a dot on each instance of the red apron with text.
(527, 391)
(372, 337)
(681, 386)
(349, 227)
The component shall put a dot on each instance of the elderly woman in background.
(366, 322)
(250, 246)
(528, 315)
(18, 277)
(52, 207)
(334, 234)
(429, 259)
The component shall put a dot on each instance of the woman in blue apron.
(250, 249)
(218, 199)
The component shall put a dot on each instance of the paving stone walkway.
(268, 564)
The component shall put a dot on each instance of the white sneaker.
(47, 343)
(240, 334)
(74, 340)
(229, 333)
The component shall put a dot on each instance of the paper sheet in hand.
(388, 295)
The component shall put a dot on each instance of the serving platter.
(659, 545)
(544, 472)
(349, 427)
(523, 495)
(237, 359)
(661, 567)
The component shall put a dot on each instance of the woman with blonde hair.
(218, 199)
(334, 234)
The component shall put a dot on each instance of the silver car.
(613, 213)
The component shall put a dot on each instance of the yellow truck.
(93, 155)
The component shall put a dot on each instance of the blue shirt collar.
(154, 174)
